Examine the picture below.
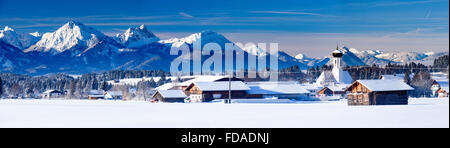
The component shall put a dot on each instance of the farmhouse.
(96, 94)
(52, 94)
(396, 76)
(113, 95)
(185, 84)
(169, 96)
(333, 90)
(208, 91)
(378, 92)
(278, 90)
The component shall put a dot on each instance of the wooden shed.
(378, 92)
(332, 90)
(172, 96)
(208, 91)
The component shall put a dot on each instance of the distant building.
(278, 90)
(52, 94)
(208, 91)
(435, 88)
(333, 90)
(96, 94)
(169, 96)
(442, 92)
(114, 95)
(442, 80)
(184, 85)
(378, 92)
(395, 77)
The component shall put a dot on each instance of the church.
(337, 78)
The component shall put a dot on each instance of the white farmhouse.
(52, 94)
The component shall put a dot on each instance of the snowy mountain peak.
(7, 28)
(142, 27)
(255, 50)
(205, 37)
(18, 40)
(429, 53)
(68, 36)
(136, 37)
(35, 34)
(300, 56)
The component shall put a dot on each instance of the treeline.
(16, 86)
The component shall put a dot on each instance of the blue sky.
(311, 27)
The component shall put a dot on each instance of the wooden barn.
(171, 96)
(378, 92)
(52, 94)
(208, 91)
(114, 95)
(96, 94)
(332, 90)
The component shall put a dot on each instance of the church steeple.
(337, 45)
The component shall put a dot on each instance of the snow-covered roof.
(166, 86)
(51, 91)
(114, 93)
(336, 76)
(276, 88)
(395, 77)
(172, 93)
(338, 87)
(326, 78)
(202, 79)
(337, 51)
(311, 87)
(385, 85)
(96, 92)
(221, 86)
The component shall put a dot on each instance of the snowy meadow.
(422, 112)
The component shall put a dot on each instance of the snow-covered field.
(85, 113)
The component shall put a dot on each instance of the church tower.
(337, 58)
(337, 71)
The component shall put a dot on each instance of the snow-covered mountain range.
(76, 48)
(354, 57)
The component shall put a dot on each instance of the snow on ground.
(85, 113)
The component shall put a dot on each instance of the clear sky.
(311, 27)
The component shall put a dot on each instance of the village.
(332, 85)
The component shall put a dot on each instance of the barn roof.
(51, 91)
(115, 93)
(172, 93)
(202, 79)
(221, 86)
(337, 87)
(276, 88)
(385, 85)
